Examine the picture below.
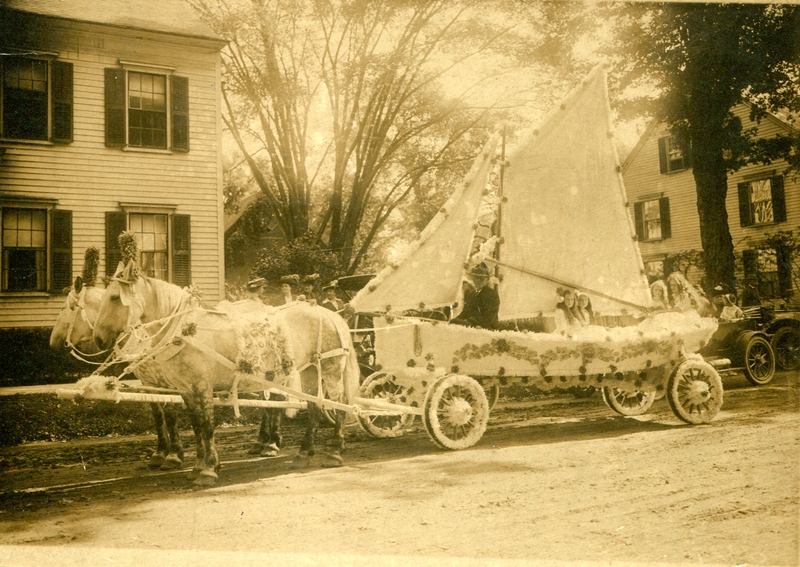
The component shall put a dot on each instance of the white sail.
(565, 215)
(431, 272)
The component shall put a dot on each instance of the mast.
(499, 220)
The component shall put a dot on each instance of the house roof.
(166, 16)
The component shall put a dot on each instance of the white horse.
(73, 332)
(200, 352)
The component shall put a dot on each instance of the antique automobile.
(756, 345)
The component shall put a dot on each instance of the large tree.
(704, 59)
(327, 99)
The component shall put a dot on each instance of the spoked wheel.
(627, 403)
(383, 387)
(786, 346)
(695, 391)
(456, 411)
(492, 395)
(759, 360)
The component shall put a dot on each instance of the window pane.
(9, 237)
(761, 201)
(24, 238)
(652, 217)
(24, 98)
(39, 220)
(147, 110)
(38, 239)
(24, 220)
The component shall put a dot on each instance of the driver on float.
(481, 304)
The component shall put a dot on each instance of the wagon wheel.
(758, 359)
(492, 395)
(383, 387)
(627, 403)
(786, 346)
(695, 391)
(456, 411)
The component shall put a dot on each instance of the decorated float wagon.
(562, 222)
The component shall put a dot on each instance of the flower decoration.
(91, 260)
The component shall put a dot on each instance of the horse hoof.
(194, 473)
(255, 449)
(270, 450)
(206, 478)
(171, 463)
(156, 460)
(332, 460)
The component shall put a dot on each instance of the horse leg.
(263, 434)
(204, 408)
(307, 449)
(162, 448)
(174, 458)
(194, 419)
(334, 457)
(273, 438)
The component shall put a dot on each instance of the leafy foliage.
(302, 256)
(703, 59)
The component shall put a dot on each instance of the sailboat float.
(564, 222)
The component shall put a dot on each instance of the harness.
(80, 308)
(138, 347)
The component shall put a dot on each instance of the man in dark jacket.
(480, 304)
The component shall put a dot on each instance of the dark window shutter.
(115, 108)
(666, 224)
(744, 204)
(62, 102)
(783, 256)
(116, 224)
(750, 262)
(180, 113)
(778, 199)
(638, 216)
(61, 251)
(662, 154)
(181, 250)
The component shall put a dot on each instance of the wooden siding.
(644, 181)
(90, 179)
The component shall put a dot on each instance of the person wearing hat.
(730, 311)
(329, 299)
(480, 304)
(309, 288)
(287, 294)
(254, 287)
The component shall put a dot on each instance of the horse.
(73, 332)
(200, 352)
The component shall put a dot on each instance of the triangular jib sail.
(431, 272)
(565, 214)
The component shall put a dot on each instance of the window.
(772, 270)
(654, 269)
(163, 240)
(35, 99)
(24, 249)
(36, 248)
(652, 219)
(146, 109)
(672, 155)
(762, 201)
(151, 238)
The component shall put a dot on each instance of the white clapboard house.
(109, 121)
(762, 201)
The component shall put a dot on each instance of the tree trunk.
(711, 183)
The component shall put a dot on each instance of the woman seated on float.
(684, 297)
(658, 290)
(585, 312)
(567, 318)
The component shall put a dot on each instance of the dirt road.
(564, 481)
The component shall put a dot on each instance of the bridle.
(80, 310)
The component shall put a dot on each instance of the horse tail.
(351, 373)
